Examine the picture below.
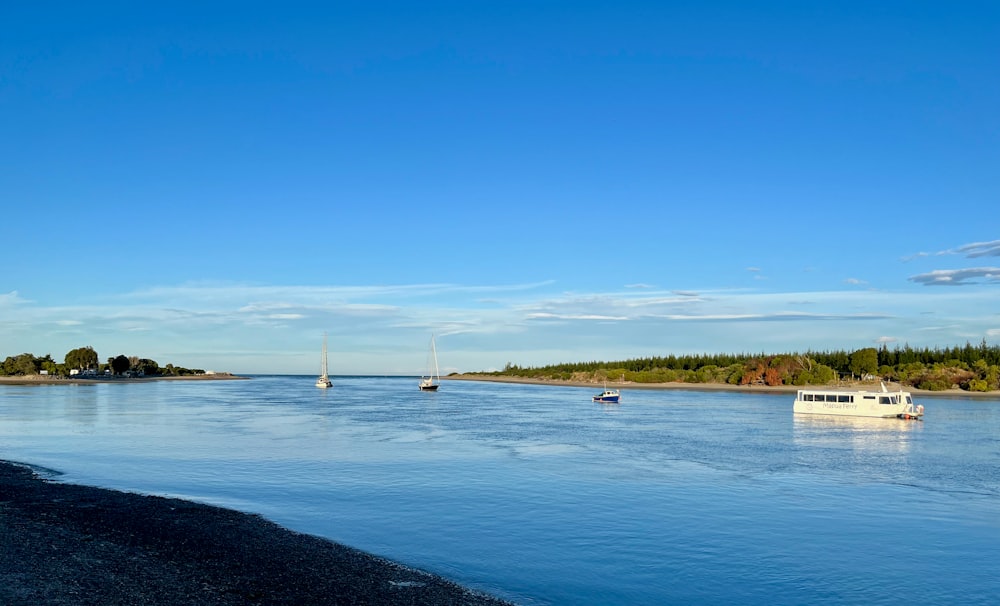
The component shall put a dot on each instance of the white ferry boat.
(884, 404)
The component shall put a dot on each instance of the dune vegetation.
(969, 367)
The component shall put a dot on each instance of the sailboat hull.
(429, 387)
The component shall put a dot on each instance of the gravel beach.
(68, 544)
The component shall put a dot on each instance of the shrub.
(978, 385)
(934, 385)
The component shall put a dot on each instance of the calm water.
(539, 496)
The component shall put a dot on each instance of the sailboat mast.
(324, 355)
(437, 372)
(323, 381)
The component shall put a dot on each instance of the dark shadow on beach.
(66, 544)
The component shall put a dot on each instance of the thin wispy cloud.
(225, 291)
(972, 250)
(286, 316)
(657, 301)
(586, 317)
(11, 299)
(959, 277)
(980, 249)
(855, 282)
(773, 317)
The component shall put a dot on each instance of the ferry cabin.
(857, 403)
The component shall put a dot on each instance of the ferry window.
(883, 399)
(843, 398)
(807, 397)
(869, 397)
(909, 400)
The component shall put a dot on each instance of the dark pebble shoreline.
(66, 544)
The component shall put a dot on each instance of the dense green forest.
(84, 362)
(972, 368)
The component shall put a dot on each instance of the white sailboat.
(323, 381)
(433, 380)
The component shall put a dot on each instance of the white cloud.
(882, 340)
(855, 282)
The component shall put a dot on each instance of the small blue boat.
(609, 396)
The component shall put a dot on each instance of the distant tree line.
(972, 368)
(84, 361)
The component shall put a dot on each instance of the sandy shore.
(750, 389)
(65, 544)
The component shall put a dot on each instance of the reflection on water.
(859, 433)
(544, 497)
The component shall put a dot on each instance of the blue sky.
(217, 184)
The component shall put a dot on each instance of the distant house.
(74, 371)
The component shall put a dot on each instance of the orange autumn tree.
(772, 377)
(771, 371)
(754, 371)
